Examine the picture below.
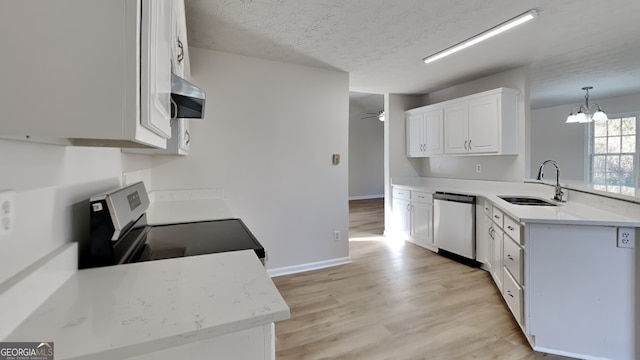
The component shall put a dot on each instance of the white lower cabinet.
(513, 257)
(496, 256)
(513, 295)
(506, 258)
(413, 216)
(401, 215)
(421, 216)
(483, 238)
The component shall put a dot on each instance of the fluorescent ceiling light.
(511, 23)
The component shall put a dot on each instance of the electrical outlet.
(478, 168)
(130, 177)
(7, 211)
(336, 235)
(626, 238)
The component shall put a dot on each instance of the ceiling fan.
(379, 115)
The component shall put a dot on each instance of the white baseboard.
(295, 269)
(366, 197)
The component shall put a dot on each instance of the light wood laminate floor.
(395, 301)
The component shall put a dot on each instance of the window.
(614, 160)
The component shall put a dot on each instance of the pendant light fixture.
(509, 24)
(582, 113)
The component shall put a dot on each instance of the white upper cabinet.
(156, 86)
(415, 134)
(483, 123)
(90, 73)
(433, 132)
(179, 48)
(456, 125)
(424, 132)
(178, 62)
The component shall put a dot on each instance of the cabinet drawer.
(513, 295)
(513, 229)
(401, 194)
(422, 197)
(512, 259)
(497, 216)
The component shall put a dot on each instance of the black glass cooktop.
(198, 238)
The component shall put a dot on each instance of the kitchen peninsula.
(563, 270)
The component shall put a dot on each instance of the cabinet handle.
(465, 145)
(469, 144)
(496, 216)
(187, 137)
(510, 257)
(174, 109)
(509, 293)
(510, 228)
(181, 53)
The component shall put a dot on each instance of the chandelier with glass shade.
(582, 113)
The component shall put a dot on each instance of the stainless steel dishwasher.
(454, 223)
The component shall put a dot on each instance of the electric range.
(120, 234)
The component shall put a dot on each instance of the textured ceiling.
(380, 43)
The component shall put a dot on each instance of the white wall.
(565, 143)
(268, 138)
(504, 167)
(396, 163)
(366, 153)
(52, 186)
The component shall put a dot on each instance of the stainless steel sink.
(526, 200)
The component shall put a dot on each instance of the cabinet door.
(184, 140)
(415, 138)
(496, 258)
(483, 240)
(422, 223)
(179, 50)
(433, 135)
(155, 101)
(456, 129)
(483, 124)
(401, 215)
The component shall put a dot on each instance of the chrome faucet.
(559, 193)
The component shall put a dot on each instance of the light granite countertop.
(126, 310)
(570, 212)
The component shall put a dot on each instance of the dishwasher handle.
(462, 198)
